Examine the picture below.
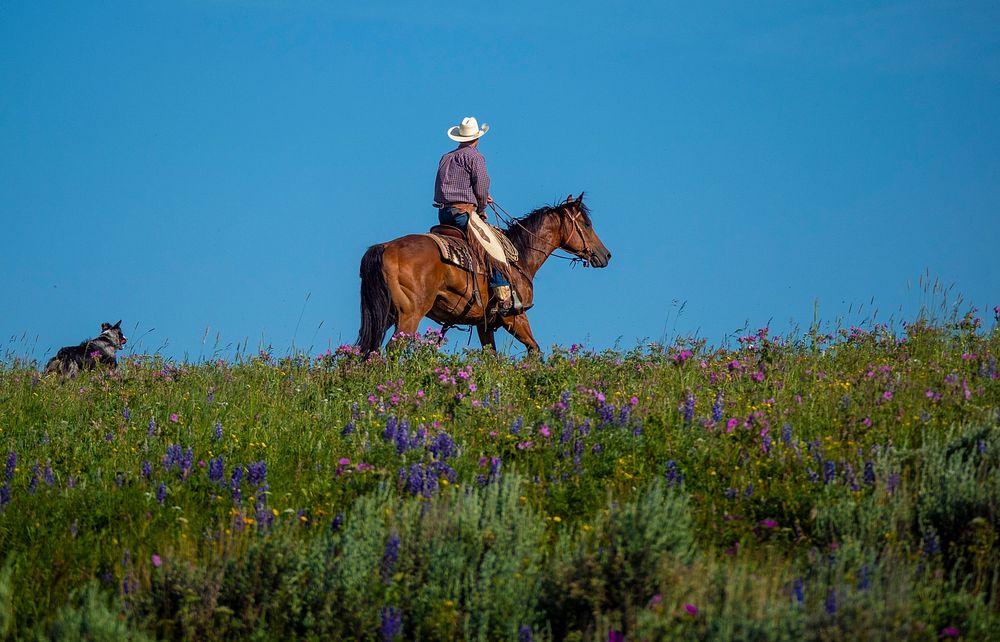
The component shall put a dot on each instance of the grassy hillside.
(842, 486)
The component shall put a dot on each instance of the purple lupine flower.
(443, 446)
(217, 470)
(217, 433)
(495, 463)
(981, 446)
(256, 473)
(348, 429)
(151, 431)
(403, 441)
(606, 413)
(717, 407)
(33, 484)
(390, 555)
(829, 471)
(869, 474)
(11, 465)
(49, 476)
(786, 434)
(584, 427)
(126, 413)
(731, 493)
(161, 493)
(567, 432)
(389, 434)
(172, 457)
(234, 484)
(812, 475)
(147, 470)
(893, 483)
(673, 475)
(392, 623)
(831, 602)
(624, 415)
(597, 448)
(187, 460)
(337, 522)
(865, 578)
(515, 428)
(765, 443)
(749, 490)
(4, 495)
(524, 634)
(688, 408)
(798, 590)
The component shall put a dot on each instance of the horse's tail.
(377, 311)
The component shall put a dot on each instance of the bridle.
(583, 257)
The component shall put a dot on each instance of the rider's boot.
(507, 301)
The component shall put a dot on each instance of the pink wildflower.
(768, 523)
(173, 418)
(544, 430)
(157, 562)
(692, 609)
(344, 461)
(949, 632)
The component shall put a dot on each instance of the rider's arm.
(480, 181)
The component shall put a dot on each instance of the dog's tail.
(377, 312)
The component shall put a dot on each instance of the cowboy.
(461, 189)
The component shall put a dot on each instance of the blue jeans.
(456, 218)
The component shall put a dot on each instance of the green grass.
(842, 486)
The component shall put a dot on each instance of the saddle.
(455, 249)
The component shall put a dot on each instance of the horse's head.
(578, 235)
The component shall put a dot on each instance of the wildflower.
(831, 602)
(688, 408)
(49, 477)
(786, 434)
(949, 632)
(717, 407)
(174, 418)
(392, 623)
(524, 634)
(216, 470)
(257, 473)
(33, 484)
(887, 395)
(151, 430)
(655, 601)
(515, 428)
(691, 609)
(161, 493)
(731, 424)
(11, 465)
(336, 522)
(347, 429)
(234, 484)
(544, 431)
(155, 559)
(768, 523)
(673, 475)
(931, 546)
(829, 471)
(125, 412)
(443, 446)
(217, 434)
(869, 474)
(4, 495)
(798, 590)
(616, 636)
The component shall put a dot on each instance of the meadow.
(830, 486)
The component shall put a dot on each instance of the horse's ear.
(119, 324)
(579, 199)
(105, 326)
(569, 199)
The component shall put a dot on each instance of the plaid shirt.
(462, 178)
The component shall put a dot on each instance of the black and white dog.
(101, 349)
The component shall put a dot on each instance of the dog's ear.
(105, 326)
(119, 323)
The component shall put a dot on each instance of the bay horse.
(405, 280)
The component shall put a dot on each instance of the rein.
(511, 221)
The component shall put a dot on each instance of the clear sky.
(212, 171)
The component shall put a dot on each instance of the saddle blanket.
(458, 253)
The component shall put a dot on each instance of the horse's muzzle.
(600, 258)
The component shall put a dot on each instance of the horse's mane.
(523, 228)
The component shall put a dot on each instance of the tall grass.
(845, 485)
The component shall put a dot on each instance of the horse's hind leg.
(411, 298)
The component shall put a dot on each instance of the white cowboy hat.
(468, 130)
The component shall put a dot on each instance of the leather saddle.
(448, 230)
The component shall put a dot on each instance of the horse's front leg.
(486, 338)
(518, 326)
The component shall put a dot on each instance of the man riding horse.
(461, 190)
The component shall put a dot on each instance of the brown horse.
(405, 280)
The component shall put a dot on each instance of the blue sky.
(211, 172)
